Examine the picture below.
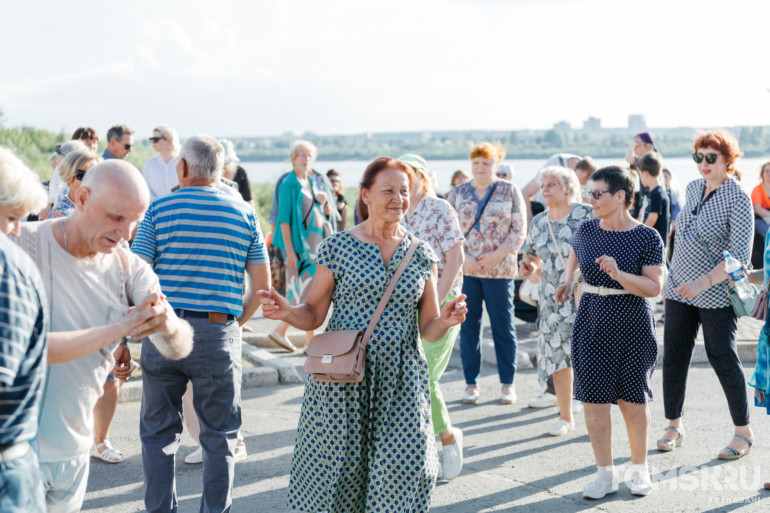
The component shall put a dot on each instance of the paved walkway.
(511, 465)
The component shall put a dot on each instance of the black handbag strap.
(391, 286)
(480, 211)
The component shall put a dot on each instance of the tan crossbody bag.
(340, 356)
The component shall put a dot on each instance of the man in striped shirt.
(23, 342)
(206, 248)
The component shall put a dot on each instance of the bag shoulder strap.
(391, 286)
(480, 211)
(705, 245)
(555, 242)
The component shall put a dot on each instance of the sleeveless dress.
(370, 446)
(614, 344)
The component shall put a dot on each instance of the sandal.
(666, 445)
(108, 455)
(282, 341)
(735, 454)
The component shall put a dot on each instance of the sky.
(267, 67)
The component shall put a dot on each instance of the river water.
(683, 169)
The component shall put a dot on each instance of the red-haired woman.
(369, 446)
(718, 217)
(493, 219)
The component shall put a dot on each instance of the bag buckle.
(327, 358)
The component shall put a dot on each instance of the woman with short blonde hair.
(72, 169)
(160, 170)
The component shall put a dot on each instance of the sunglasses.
(502, 174)
(58, 150)
(80, 173)
(595, 194)
(156, 139)
(128, 146)
(699, 157)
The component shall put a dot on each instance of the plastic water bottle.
(734, 269)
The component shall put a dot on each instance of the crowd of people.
(174, 257)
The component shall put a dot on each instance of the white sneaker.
(600, 487)
(544, 400)
(240, 452)
(577, 406)
(640, 482)
(562, 427)
(472, 393)
(195, 457)
(510, 397)
(452, 457)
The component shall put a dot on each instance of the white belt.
(602, 291)
(14, 451)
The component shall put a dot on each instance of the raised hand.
(453, 313)
(274, 305)
(609, 266)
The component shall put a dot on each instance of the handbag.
(759, 311)
(528, 292)
(340, 356)
(741, 307)
(577, 293)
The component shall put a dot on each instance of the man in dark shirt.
(656, 203)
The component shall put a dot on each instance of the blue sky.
(267, 67)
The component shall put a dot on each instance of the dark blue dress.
(614, 344)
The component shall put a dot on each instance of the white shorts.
(65, 483)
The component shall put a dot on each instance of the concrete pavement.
(510, 465)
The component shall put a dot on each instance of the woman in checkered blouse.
(717, 215)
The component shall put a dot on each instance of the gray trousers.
(214, 367)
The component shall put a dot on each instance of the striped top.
(23, 344)
(199, 241)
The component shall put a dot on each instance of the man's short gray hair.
(117, 132)
(204, 156)
(19, 186)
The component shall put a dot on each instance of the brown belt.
(218, 317)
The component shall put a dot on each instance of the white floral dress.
(556, 320)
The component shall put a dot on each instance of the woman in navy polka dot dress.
(369, 446)
(614, 346)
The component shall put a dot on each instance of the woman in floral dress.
(561, 193)
(370, 446)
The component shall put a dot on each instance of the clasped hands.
(153, 315)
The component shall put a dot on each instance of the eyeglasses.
(710, 158)
(156, 139)
(80, 173)
(593, 194)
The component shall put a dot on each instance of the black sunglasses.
(128, 146)
(58, 150)
(156, 139)
(80, 173)
(595, 194)
(710, 158)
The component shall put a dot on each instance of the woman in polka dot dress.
(614, 346)
(370, 446)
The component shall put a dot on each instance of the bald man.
(99, 293)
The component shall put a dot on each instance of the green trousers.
(437, 355)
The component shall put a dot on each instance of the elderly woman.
(614, 346)
(160, 171)
(20, 193)
(369, 446)
(300, 227)
(718, 217)
(72, 170)
(760, 200)
(433, 220)
(493, 220)
(545, 252)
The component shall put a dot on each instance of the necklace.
(64, 232)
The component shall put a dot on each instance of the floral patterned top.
(64, 208)
(502, 223)
(435, 222)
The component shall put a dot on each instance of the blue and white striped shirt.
(199, 242)
(23, 344)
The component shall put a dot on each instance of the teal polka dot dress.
(369, 446)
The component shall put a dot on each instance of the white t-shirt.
(81, 294)
(160, 176)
